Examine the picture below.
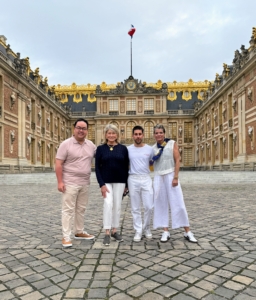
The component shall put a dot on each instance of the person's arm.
(58, 171)
(104, 189)
(176, 156)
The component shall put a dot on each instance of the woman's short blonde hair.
(111, 127)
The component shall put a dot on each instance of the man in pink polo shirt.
(73, 170)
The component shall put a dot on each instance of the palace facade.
(213, 122)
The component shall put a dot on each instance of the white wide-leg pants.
(167, 197)
(141, 190)
(112, 205)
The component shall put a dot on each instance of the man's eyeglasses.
(81, 128)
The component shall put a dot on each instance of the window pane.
(148, 103)
(113, 105)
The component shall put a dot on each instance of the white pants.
(167, 197)
(112, 205)
(141, 189)
(74, 202)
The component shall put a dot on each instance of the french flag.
(131, 31)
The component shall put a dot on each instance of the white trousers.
(167, 197)
(112, 205)
(141, 190)
(74, 202)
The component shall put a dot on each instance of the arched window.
(115, 123)
(148, 132)
(129, 127)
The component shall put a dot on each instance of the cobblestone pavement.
(34, 265)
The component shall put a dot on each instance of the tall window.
(148, 131)
(129, 128)
(230, 111)
(115, 123)
(131, 104)
(187, 157)
(172, 130)
(91, 133)
(148, 104)
(187, 132)
(113, 105)
(220, 116)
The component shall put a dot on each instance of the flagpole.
(131, 56)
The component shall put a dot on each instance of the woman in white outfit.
(167, 190)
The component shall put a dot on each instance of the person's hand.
(175, 182)
(104, 191)
(126, 191)
(61, 187)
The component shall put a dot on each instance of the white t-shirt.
(139, 159)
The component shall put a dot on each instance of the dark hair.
(159, 126)
(137, 127)
(81, 120)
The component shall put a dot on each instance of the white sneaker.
(148, 233)
(190, 237)
(137, 237)
(165, 237)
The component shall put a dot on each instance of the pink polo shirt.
(77, 161)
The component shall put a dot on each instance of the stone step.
(186, 177)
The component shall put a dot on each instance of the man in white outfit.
(140, 184)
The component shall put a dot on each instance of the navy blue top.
(111, 166)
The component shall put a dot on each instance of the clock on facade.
(130, 85)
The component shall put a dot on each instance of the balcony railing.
(181, 112)
(113, 113)
(220, 127)
(84, 113)
(230, 123)
(130, 112)
(149, 112)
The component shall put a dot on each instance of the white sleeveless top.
(165, 164)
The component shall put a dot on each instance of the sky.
(87, 41)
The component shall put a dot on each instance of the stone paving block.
(151, 296)
(22, 290)
(224, 292)
(33, 296)
(100, 283)
(137, 291)
(243, 279)
(166, 291)
(122, 284)
(78, 284)
(232, 285)
(102, 275)
(196, 292)
(42, 284)
(75, 293)
(6, 295)
(121, 296)
(161, 278)
(177, 285)
(188, 278)
(97, 293)
(2, 288)
(51, 290)
(135, 279)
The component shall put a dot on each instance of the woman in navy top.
(111, 165)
